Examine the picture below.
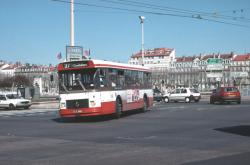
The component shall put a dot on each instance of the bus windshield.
(75, 80)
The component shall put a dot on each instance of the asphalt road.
(169, 134)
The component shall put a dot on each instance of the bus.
(97, 87)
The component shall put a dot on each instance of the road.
(169, 134)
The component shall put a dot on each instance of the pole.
(142, 18)
(72, 28)
(142, 42)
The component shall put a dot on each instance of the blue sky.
(35, 31)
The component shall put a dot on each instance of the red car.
(225, 94)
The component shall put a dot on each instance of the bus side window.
(102, 78)
(120, 79)
(113, 78)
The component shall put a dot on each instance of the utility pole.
(72, 28)
(142, 18)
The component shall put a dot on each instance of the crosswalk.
(28, 113)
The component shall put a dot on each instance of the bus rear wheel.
(145, 104)
(118, 109)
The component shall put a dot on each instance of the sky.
(35, 31)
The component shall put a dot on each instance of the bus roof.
(93, 63)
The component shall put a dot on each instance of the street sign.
(214, 75)
(214, 64)
(238, 74)
(211, 61)
(74, 53)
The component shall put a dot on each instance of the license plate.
(78, 111)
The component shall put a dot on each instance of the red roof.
(223, 56)
(184, 59)
(154, 52)
(243, 57)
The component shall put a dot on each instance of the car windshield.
(194, 91)
(13, 96)
(157, 90)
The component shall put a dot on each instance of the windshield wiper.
(84, 89)
(64, 87)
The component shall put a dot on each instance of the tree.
(18, 80)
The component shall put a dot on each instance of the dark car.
(225, 94)
(157, 95)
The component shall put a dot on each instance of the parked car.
(225, 94)
(183, 94)
(157, 95)
(12, 101)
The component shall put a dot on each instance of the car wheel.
(239, 102)
(26, 107)
(221, 101)
(187, 99)
(197, 100)
(211, 101)
(166, 100)
(11, 107)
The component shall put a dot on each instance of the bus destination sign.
(76, 64)
(74, 53)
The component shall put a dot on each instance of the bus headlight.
(62, 105)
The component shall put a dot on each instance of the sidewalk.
(45, 105)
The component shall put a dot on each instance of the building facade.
(154, 58)
(44, 77)
(204, 71)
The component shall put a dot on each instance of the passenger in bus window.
(102, 78)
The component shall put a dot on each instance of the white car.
(182, 94)
(12, 101)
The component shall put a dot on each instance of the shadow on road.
(89, 119)
(243, 130)
(241, 159)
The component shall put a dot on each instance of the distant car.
(183, 94)
(157, 95)
(12, 101)
(225, 94)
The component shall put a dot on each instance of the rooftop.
(242, 57)
(154, 52)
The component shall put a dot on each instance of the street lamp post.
(72, 29)
(142, 18)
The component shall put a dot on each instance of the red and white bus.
(97, 87)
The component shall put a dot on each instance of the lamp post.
(142, 18)
(72, 28)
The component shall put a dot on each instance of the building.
(206, 72)
(154, 58)
(158, 59)
(240, 72)
(8, 70)
(203, 71)
(44, 77)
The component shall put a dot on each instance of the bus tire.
(145, 104)
(118, 108)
